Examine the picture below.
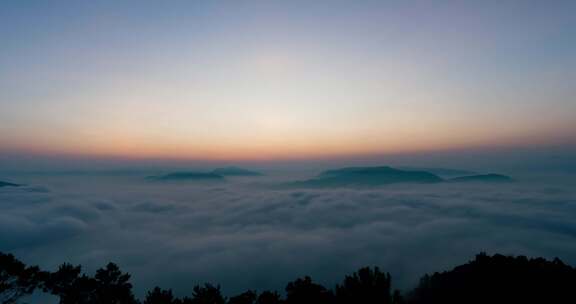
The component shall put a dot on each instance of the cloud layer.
(246, 236)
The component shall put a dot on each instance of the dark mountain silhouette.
(235, 171)
(7, 184)
(367, 176)
(484, 178)
(443, 172)
(384, 175)
(499, 279)
(187, 176)
(486, 279)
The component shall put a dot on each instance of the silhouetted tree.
(16, 279)
(248, 297)
(269, 297)
(113, 286)
(160, 296)
(397, 297)
(72, 287)
(304, 291)
(486, 279)
(207, 294)
(109, 286)
(365, 286)
(500, 279)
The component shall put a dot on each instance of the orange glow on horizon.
(326, 148)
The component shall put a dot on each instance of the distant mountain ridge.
(186, 176)
(385, 175)
(7, 184)
(218, 174)
(235, 171)
(368, 176)
(492, 178)
(444, 172)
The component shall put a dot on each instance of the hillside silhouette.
(484, 178)
(500, 279)
(486, 279)
(7, 184)
(235, 171)
(368, 176)
(442, 172)
(217, 174)
(187, 176)
(385, 175)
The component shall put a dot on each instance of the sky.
(274, 80)
(146, 87)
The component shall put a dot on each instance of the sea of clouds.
(247, 235)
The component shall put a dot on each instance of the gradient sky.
(284, 79)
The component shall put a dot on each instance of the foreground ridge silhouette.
(486, 279)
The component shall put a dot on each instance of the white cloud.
(244, 236)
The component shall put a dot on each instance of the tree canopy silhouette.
(109, 285)
(367, 286)
(16, 279)
(160, 296)
(500, 279)
(486, 279)
(304, 291)
(207, 294)
(269, 297)
(248, 297)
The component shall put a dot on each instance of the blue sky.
(284, 79)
